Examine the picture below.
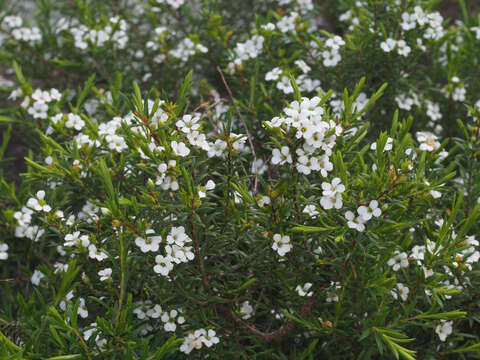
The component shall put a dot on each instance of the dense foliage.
(283, 179)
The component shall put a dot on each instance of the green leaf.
(66, 357)
(169, 347)
(11, 346)
(311, 229)
(183, 94)
(308, 351)
(298, 95)
(83, 94)
(5, 140)
(244, 286)
(471, 348)
(457, 314)
(463, 7)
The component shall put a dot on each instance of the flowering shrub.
(276, 179)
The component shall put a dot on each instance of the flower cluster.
(365, 213)
(306, 121)
(114, 33)
(254, 187)
(13, 25)
(176, 250)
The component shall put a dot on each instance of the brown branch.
(274, 336)
(255, 187)
(198, 256)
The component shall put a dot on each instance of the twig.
(245, 126)
(122, 280)
(276, 335)
(198, 256)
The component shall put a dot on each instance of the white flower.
(285, 85)
(330, 202)
(23, 217)
(74, 121)
(372, 210)
(10, 22)
(169, 320)
(353, 222)
(41, 96)
(95, 253)
(459, 94)
(269, 26)
(435, 194)
(303, 290)
(388, 145)
(263, 200)
(418, 253)
(433, 110)
(210, 338)
(36, 277)
(76, 239)
(246, 310)
(331, 58)
(428, 141)
(151, 243)
(3, 251)
(281, 244)
(287, 23)
(63, 303)
(444, 329)
(402, 48)
(332, 194)
(281, 156)
(89, 332)
(388, 45)
(82, 308)
(400, 291)
(188, 123)
(325, 165)
(38, 110)
(179, 149)
(38, 203)
(116, 142)
(154, 312)
(335, 42)
(311, 210)
(188, 343)
(303, 66)
(164, 265)
(408, 21)
(332, 189)
(105, 274)
(420, 16)
(177, 236)
(273, 74)
(400, 260)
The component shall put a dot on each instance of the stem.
(276, 335)
(122, 280)
(196, 248)
(255, 187)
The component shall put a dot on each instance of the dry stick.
(246, 129)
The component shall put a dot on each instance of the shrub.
(213, 180)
